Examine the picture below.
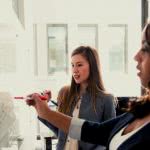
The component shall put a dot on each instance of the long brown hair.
(95, 82)
(63, 94)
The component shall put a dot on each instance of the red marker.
(21, 97)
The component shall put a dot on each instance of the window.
(57, 48)
(88, 35)
(117, 48)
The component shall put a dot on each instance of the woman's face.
(143, 60)
(80, 69)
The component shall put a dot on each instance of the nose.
(137, 56)
(74, 69)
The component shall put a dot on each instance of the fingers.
(30, 95)
(30, 102)
(47, 94)
(40, 105)
(31, 99)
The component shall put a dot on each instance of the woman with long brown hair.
(84, 98)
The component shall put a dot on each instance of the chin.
(144, 84)
(77, 82)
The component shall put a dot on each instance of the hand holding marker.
(46, 95)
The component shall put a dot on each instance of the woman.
(85, 98)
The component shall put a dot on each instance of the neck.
(83, 88)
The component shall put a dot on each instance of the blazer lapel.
(142, 135)
(123, 122)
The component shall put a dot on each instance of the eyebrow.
(77, 62)
(145, 46)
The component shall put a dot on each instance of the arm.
(57, 119)
(49, 125)
(92, 132)
(81, 130)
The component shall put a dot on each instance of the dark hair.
(141, 106)
(95, 82)
(146, 38)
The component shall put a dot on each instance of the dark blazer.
(105, 107)
(103, 133)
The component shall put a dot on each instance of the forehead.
(78, 58)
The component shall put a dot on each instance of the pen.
(55, 103)
(22, 97)
(42, 98)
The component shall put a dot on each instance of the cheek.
(85, 72)
(147, 68)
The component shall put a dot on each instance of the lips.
(139, 71)
(139, 74)
(76, 77)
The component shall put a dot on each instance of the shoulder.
(65, 87)
(105, 95)
(63, 94)
(64, 90)
(107, 98)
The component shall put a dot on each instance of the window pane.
(57, 48)
(88, 35)
(117, 52)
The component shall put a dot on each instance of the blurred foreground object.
(7, 120)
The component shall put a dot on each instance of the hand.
(41, 106)
(47, 94)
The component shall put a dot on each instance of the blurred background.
(36, 41)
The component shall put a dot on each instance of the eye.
(143, 50)
(72, 65)
(79, 65)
